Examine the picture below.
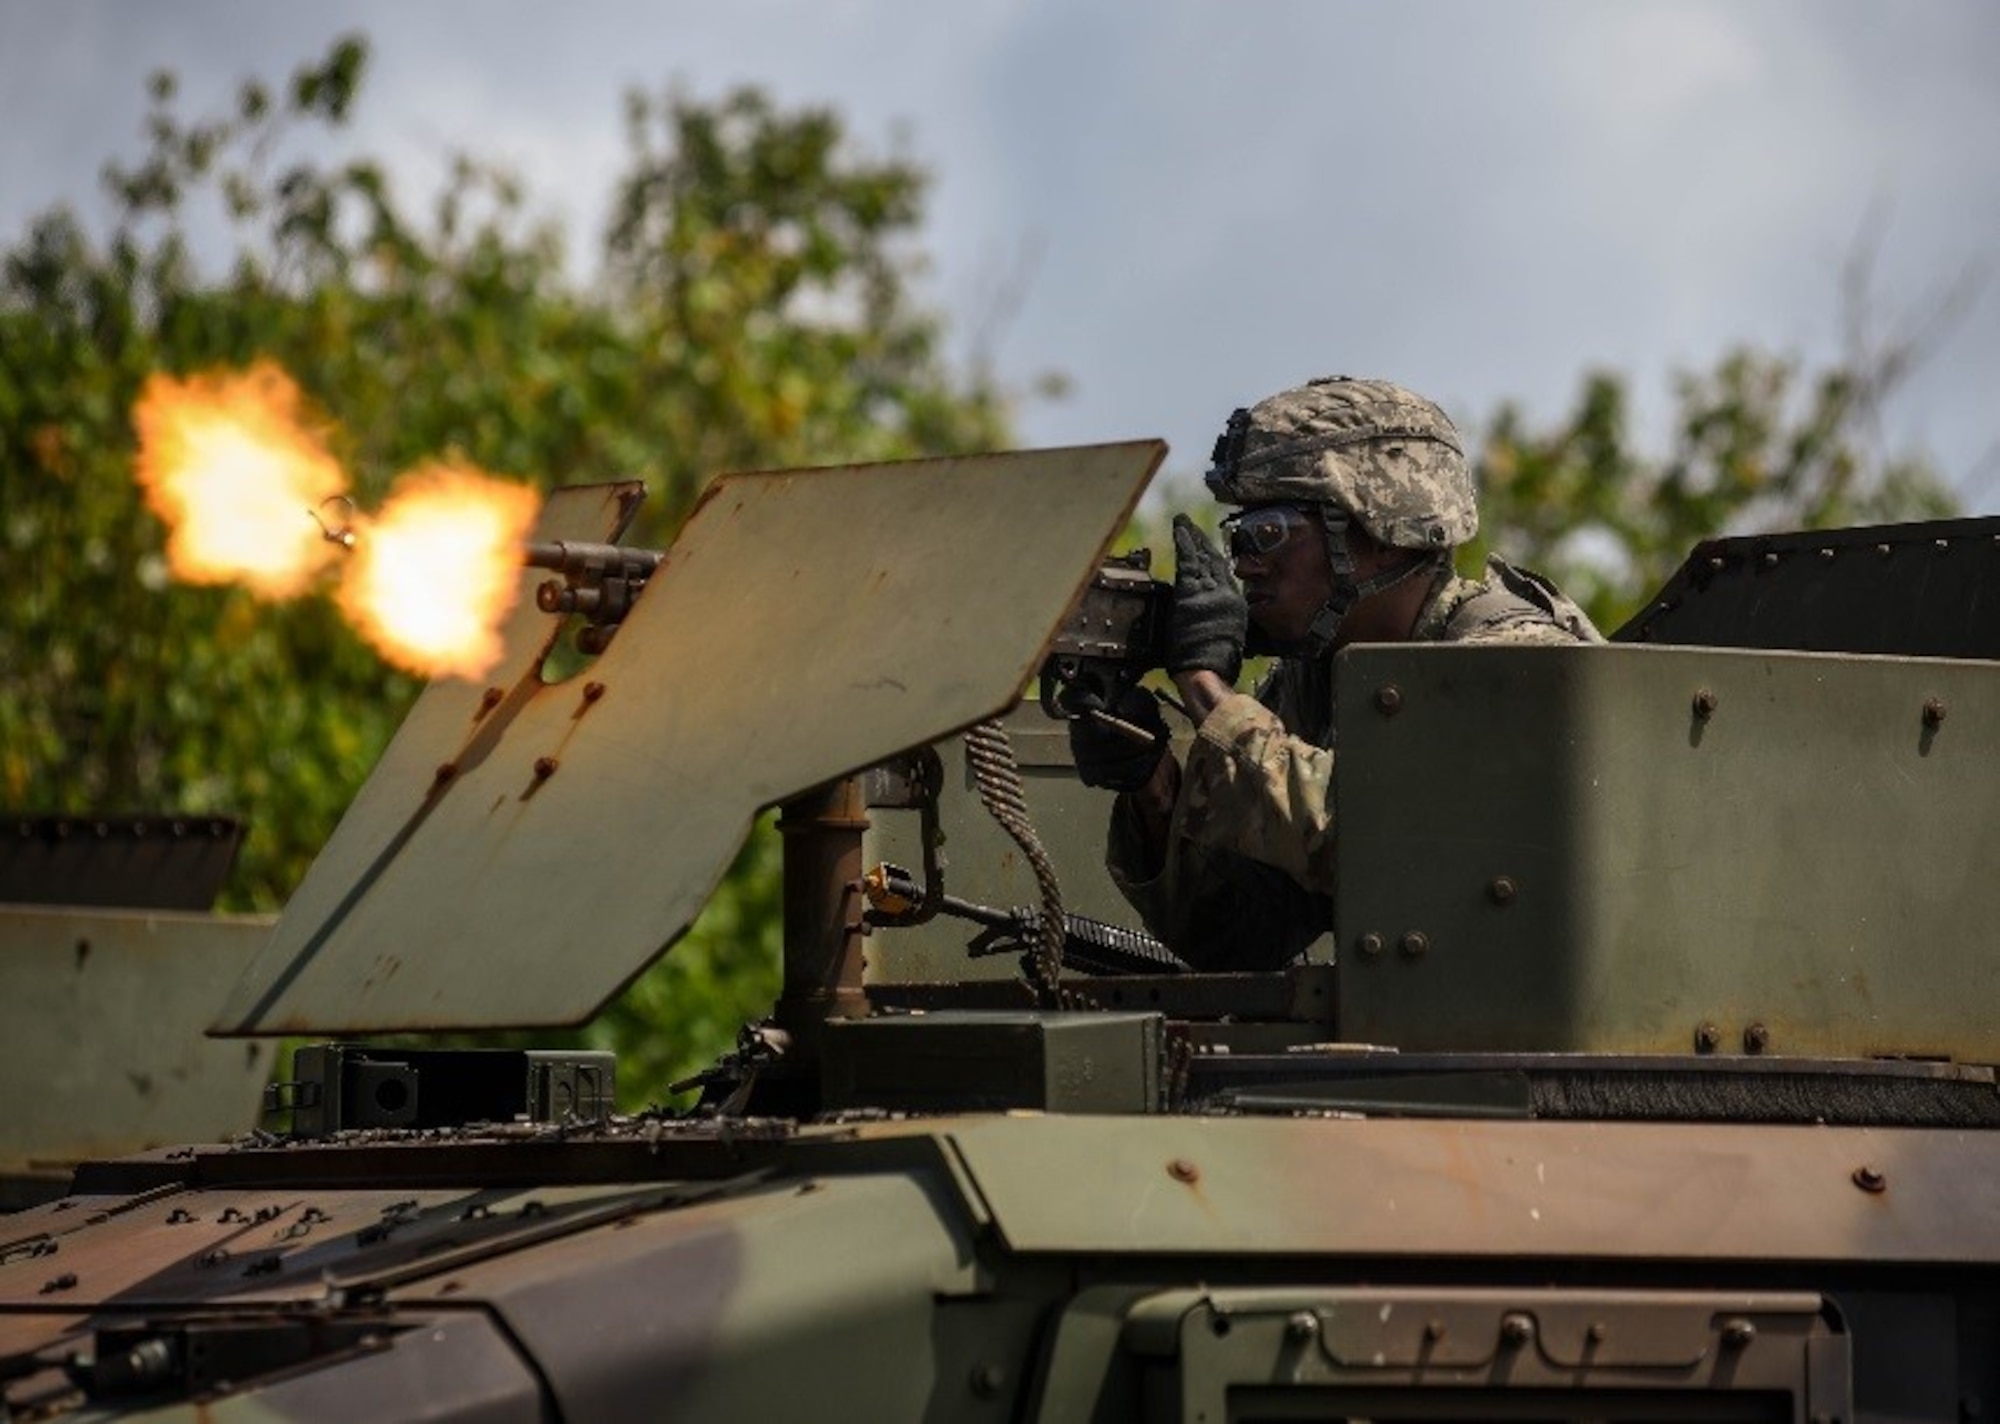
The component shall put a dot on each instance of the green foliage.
(1760, 443)
(752, 309)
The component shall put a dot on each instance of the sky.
(1181, 207)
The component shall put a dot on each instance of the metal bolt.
(1415, 944)
(1826, 555)
(1595, 1332)
(445, 772)
(592, 691)
(149, 1360)
(1389, 700)
(1707, 1038)
(1756, 1038)
(1933, 712)
(1705, 703)
(1434, 1330)
(1884, 550)
(1738, 1333)
(1502, 890)
(488, 700)
(1770, 561)
(988, 1380)
(1302, 1326)
(1182, 1170)
(1370, 944)
(545, 767)
(1870, 1178)
(1516, 1329)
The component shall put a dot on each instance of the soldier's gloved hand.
(1210, 619)
(1120, 749)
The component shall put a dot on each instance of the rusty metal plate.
(1509, 1190)
(805, 624)
(287, 1245)
(101, 1048)
(1668, 850)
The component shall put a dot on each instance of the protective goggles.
(1260, 532)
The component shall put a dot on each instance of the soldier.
(1352, 495)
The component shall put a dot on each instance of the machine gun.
(1115, 635)
(600, 582)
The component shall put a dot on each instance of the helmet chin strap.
(1346, 593)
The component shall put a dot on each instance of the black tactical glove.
(1210, 618)
(1120, 754)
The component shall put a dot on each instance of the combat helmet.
(1360, 452)
(1388, 457)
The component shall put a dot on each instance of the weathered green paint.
(1594, 855)
(772, 652)
(102, 1053)
(1226, 1188)
(1808, 854)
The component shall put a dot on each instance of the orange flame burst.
(227, 461)
(438, 568)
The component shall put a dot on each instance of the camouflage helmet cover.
(1390, 458)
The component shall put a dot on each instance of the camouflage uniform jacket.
(1248, 877)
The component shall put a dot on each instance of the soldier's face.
(1280, 556)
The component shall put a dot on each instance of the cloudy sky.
(1183, 206)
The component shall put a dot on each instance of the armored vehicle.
(1647, 1074)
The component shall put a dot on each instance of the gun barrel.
(599, 581)
(579, 560)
